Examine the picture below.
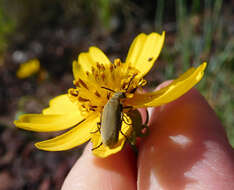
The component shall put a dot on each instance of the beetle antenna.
(130, 143)
(98, 130)
(97, 146)
(147, 117)
(108, 89)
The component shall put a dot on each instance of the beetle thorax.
(118, 95)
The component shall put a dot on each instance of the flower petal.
(91, 58)
(78, 72)
(48, 123)
(104, 151)
(171, 92)
(61, 105)
(144, 50)
(74, 137)
(97, 55)
(28, 68)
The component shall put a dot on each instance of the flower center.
(91, 91)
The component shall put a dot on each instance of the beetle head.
(119, 95)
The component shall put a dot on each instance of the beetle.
(140, 129)
(111, 120)
(112, 117)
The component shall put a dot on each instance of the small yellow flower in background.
(97, 81)
(28, 68)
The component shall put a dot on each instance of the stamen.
(142, 82)
(124, 85)
(93, 70)
(111, 68)
(76, 83)
(117, 62)
(130, 68)
(96, 76)
(97, 94)
(103, 76)
(108, 95)
(73, 92)
(113, 76)
(81, 99)
(130, 81)
(83, 84)
(123, 78)
(93, 108)
(98, 65)
(103, 67)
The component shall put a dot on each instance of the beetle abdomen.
(111, 122)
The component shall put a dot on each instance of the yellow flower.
(28, 68)
(96, 80)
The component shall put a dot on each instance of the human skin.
(187, 148)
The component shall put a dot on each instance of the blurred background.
(39, 39)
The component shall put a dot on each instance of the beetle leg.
(98, 128)
(132, 144)
(144, 127)
(108, 89)
(97, 146)
(133, 90)
(125, 137)
(147, 117)
(125, 119)
(108, 95)
(78, 123)
(126, 122)
(127, 107)
(145, 132)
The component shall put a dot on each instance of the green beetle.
(111, 120)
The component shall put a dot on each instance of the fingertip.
(164, 84)
(114, 172)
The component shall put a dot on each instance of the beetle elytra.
(111, 118)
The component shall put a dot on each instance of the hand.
(187, 148)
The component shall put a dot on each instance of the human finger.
(115, 172)
(187, 148)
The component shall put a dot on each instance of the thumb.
(187, 148)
